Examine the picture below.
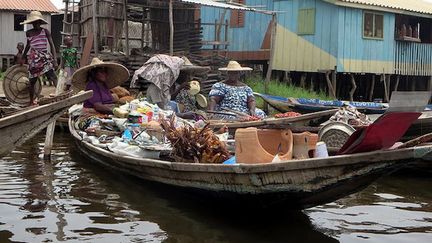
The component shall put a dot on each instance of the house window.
(18, 18)
(373, 25)
(237, 19)
(306, 21)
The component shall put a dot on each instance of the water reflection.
(72, 199)
(395, 209)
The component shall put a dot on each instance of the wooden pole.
(353, 87)
(384, 81)
(126, 27)
(171, 25)
(49, 136)
(272, 49)
(334, 83)
(143, 28)
(372, 88)
(397, 83)
(65, 20)
(95, 28)
(331, 90)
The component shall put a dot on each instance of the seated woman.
(232, 94)
(100, 77)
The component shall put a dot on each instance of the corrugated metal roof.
(418, 6)
(215, 4)
(28, 5)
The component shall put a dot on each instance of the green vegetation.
(1, 75)
(281, 89)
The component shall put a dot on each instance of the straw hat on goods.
(201, 100)
(191, 68)
(234, 66)
(33, 17)
(117, 74)
(194, 87)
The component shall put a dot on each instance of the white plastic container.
(321, 150)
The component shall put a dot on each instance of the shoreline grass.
(281, 89)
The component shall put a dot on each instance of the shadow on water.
(72, 199)
(187, 218)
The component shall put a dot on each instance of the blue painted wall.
(337, 40)
(247, 38)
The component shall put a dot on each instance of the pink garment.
(39, 42)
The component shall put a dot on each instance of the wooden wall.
(245, 42)
(8, 37)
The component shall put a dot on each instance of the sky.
(59, 3)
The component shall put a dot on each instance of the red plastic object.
(381, 134)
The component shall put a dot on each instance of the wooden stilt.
(397, 83)
(126, 24)
(353, 87)
(413, 84)
(95, 28)
(372, 88)
(312, 80)
(332, 91)
(303, 80)
(272, 50)
(171, 25)
(383, 80)
(334, 84)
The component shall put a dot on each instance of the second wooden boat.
(17, 128)
(304, 105)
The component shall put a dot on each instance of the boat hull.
(295, 184)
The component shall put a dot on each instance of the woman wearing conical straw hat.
(100, 77)
(40, 61)
(232, 94)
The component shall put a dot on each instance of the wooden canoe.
(283, 104)
(17, 128)
(293, 184)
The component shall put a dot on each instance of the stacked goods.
(199, 145)
(250, 118)
(287, 114)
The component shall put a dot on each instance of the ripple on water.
(42, 201)
(375, 215)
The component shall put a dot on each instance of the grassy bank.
(1, 75)
(281, 89)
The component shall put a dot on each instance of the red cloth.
(381, 134)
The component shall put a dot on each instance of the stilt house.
(348, 47)
(12, 13)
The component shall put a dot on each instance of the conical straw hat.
(33, 17)
(234, 66)
(16, 83)
(117, 74)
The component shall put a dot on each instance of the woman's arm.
(53, 49)
(251, 105)
(214, 100)
(26, 49)
(184, 85)
(104, 109)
